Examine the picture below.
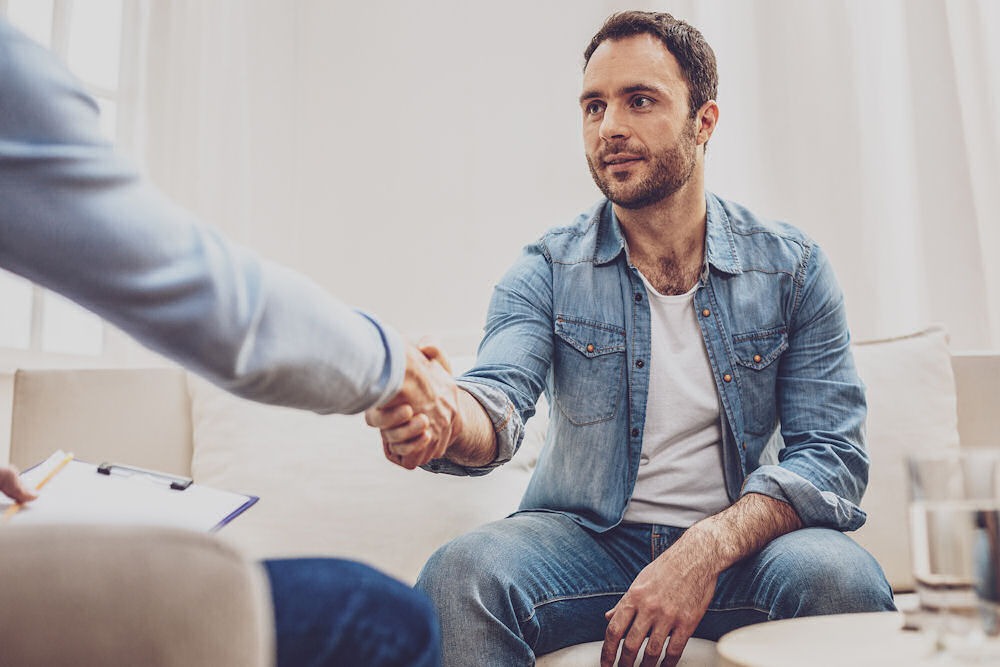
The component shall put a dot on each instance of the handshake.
(422, 421)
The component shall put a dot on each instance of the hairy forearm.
(477, 444)
(742, 529)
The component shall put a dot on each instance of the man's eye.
(594, 108)
(641, 102)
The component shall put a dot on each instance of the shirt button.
(744, 446)
(757, 358)
(727, 378)
(639, 363)
(638, 298)
(706, 312)
(590, 347)
(635, 433)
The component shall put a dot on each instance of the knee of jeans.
(465, 567)
(827, 573)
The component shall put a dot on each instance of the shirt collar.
(720, 250)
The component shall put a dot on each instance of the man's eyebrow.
(624, 90)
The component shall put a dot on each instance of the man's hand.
(11, 486)
(423, 419)
(671, 594)
(666, 601)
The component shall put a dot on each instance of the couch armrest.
(116, 595)
(977, 383)
(142, 418)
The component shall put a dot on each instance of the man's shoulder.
(756, 241)
(749, 226)
(578, 240)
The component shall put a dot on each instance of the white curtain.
(402, 153)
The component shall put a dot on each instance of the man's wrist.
(476, 445)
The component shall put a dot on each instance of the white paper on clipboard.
(80, 494)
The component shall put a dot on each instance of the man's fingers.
(633, 642)
(617, 627)
(654, 648)
(433, 352)
(409, 431)
(675, 647)
(389, 417)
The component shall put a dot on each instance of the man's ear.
(706, 119)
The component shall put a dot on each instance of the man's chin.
(631, 201)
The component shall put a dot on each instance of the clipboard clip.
(176, 483)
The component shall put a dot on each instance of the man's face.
(637, 130)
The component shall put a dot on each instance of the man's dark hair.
(688, 46)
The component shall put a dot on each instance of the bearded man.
(674, 333)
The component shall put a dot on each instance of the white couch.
(326, 490)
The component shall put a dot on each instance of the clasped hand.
(423, 419)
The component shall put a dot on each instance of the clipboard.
(112, 493)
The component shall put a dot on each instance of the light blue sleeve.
(514, 357)
(822, 468)
(77, 218)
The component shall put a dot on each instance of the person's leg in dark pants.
(331, 612)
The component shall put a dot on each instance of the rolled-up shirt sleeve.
(822, 469)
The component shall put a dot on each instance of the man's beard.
(668, 172)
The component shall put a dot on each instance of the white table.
(858, 640)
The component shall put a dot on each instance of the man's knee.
(820, 571)
(460, 568)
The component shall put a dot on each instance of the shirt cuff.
(507, 426)
(821, 509)
(390, 380)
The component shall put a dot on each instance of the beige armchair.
(113, 595)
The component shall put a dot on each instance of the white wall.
(402, 153)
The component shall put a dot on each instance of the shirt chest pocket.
(588, 369)
(758, 354)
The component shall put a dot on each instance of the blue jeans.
(332, 613)
(536, 582)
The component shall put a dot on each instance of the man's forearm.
(477, 444)
(742, 529)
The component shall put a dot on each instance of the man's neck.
(666, 240)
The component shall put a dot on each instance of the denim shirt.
(571, 318)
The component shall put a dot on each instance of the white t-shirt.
(681, 479)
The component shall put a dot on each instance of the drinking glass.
(955, 545)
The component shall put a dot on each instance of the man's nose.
(614, 125)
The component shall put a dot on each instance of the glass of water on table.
(955, 546)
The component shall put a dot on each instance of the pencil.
(14, 509)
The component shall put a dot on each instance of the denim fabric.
(538, 581)
(332, 613)
(570, 318)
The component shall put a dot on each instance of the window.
(87, 36)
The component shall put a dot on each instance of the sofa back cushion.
(326, 489)
(911, 406)
(134, 416)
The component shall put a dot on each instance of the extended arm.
(77, 218)
(499, 394)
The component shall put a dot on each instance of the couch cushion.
(911, 406)
(325, 488)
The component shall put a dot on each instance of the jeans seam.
(563, 598)
(742, 608)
